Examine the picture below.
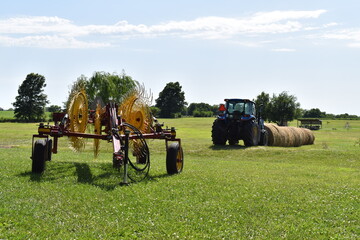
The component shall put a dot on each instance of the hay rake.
(127, 127)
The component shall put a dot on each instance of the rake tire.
(174, 158)
(39, 156)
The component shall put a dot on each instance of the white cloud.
(58, 32)
(47, 41)
(350, 35)
(283, 50)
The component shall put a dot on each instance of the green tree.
(29, 105)
(262, 101)
(79, 84)
(171, 100)
(54, 108)
(200, 110)
(103, 87)
(314, 113)
(283, 108)
(108, 87)
(155, 111)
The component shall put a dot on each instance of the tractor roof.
(237, 100)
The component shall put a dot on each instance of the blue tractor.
(238, 120)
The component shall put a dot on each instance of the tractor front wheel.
(39, 156)
(174, 158)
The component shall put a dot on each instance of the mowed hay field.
(230, 192)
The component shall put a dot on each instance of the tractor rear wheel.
(250, 136)
(39, 156)
(174, 158)
(218, 132)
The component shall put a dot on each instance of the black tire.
(49, 149)
(218, 132)
(264, 138)
(250, 136)
(233, 142)
(174, 158)
(39, 156)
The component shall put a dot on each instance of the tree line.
(103, 87)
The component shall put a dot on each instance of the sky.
(214, 49)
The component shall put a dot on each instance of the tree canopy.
(171, 100)
(202, 110)
(283, 108)
(29, 105)
(262, 101)
(103, 87)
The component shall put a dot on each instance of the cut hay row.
(289, 136)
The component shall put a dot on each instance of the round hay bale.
(299, 135)
(296, 137)
(271, 130)
(309, 136)
(282, 136)
(274, 135)
(288, 136)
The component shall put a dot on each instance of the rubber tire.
(39, 156)
(218, 132)
(173, 164)
(233, 142)
(264, 138)
(249, 137)
(49, 149)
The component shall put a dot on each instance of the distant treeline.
(196, 110)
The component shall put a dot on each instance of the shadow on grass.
(101, 175)
(224, 147)
(105, 177)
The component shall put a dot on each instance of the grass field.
(6, 115)
(309, 192)
(9, 115)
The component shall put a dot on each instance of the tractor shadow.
(226, 147)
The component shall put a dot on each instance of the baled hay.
(270, 135)
(289, 137)
(273, 133)
(309, 136)
(297, 136)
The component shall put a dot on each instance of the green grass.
(7, 115)
(309, 192)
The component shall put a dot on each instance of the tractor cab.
(239, 109)
(238, 120)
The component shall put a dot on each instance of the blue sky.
(215, 49)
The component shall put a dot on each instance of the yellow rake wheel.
(78, 116)
(97, 129)
(134, 109)
(78, 112)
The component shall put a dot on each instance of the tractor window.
(235, 106)
(249, 108)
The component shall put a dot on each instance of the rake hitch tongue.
(125, 177)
